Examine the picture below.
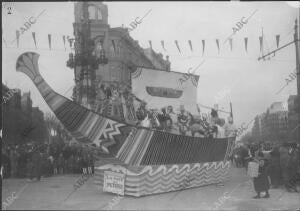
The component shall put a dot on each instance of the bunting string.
(163, 43)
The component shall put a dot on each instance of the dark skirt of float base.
(151, 162)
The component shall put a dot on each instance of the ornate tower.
(90, 30)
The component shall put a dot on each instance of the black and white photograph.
(150, 105)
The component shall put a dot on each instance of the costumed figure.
(164, 119)
(173, 120)
(230, 129)
(117, 105)
(183, 120)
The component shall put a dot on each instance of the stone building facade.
(123, 53)
(272, 125)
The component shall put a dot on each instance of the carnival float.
(142, 160)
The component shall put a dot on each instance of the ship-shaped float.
(142, 161)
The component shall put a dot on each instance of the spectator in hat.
(284, 160)
(275, 170)
(292, 170)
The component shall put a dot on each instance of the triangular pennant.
(246, 43)
(203, 47)
(114, 45)
(217, 41)
(190, 43)
(18, 37)
(163, 45)
(49, 40)
(230, 43)
(70, 42)
(261, 43)
(34, 40)
(64, 40)
(176, 42)
(277, 40)
(150, 43)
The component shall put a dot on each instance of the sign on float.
(114, 182)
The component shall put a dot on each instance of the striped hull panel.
(147, 180)
(150, 147)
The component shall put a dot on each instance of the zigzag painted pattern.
(158, 179)
(84, 124)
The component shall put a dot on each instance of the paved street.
(52, 193)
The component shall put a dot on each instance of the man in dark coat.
(275, 170)
(284, 159)
(292, 171)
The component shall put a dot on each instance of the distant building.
(272, 126)
(26, 103)
(123, 53)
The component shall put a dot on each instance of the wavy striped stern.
(147, 180)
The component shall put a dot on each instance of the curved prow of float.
(84, 125)
(144, 161)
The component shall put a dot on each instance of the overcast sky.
(249, 84)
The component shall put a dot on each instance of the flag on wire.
(163, 45)
(49, 40)
(190, 43)
(198, 108)
(203, 47)
(217, 41)
(34, 40)
(230, 43)
(70, 42)
(246, 43)
(176, 42)
(261, 43)
(277, 40)
(64, 40)
(114, 45)
(18, 37)
(150, 43)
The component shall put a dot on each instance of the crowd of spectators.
(281, 160)
(36, 161)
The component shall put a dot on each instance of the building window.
(95, 13)
(112, 51)
(92, 12)
(99, 14)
